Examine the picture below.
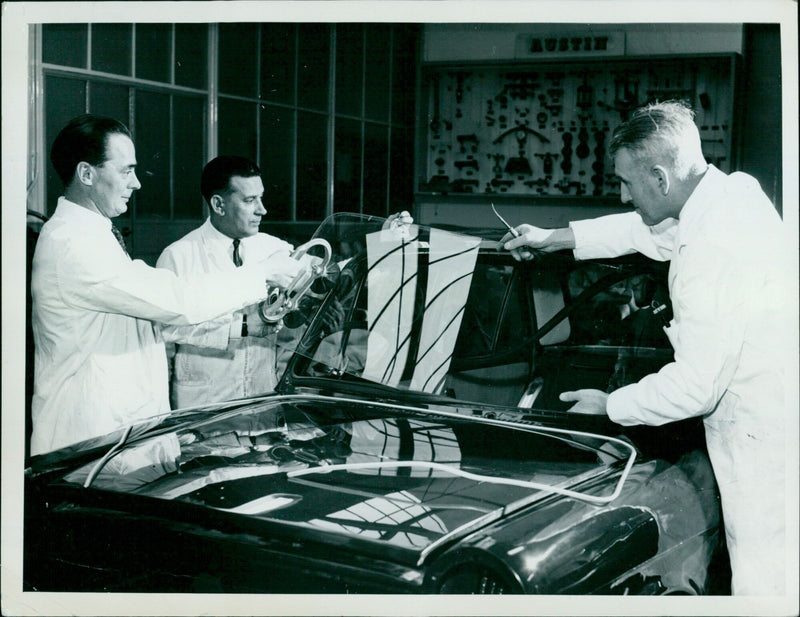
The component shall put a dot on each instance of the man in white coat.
(100, 364)
(233, 356)
(730, 286)
(236, 355)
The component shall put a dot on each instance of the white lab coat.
(212, 361)
(731, 293)
(99, 364)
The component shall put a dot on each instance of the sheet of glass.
(452, 262)
(392, 284)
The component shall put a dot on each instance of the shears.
(524, 253)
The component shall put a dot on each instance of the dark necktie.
(237, 260)
(118, 235)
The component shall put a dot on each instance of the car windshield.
(399, 312)
(436, 312)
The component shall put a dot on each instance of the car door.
(599, 325)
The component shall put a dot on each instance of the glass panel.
(349, 70)
(191, 44)
(404, 74)
(378, 72)
(65, 44)
(311, 167)
(277, 162)
(237, 128)
(376, 149)
(188, 154)
(111, 48)
(238, 44)
(153, 45)
(312, 72)
(153, 154)
(277, 62)
(109, 100)
(401, 169)
(347, 172)
(64, 99)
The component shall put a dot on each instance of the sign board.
(570, 46)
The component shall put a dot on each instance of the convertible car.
(415, 444)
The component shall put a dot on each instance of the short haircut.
(661, 133)
(218, 172)
(84, 139)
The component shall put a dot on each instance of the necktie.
(118, 235)
(237, 260)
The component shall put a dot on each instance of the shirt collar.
(702, 194)
(78, 213)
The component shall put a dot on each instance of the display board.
(543, 130)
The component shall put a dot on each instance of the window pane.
(188, 154)
(347, 169)
(191, 44)
(238, 44)
(404, 75)
(376, 148)
(349, 60)
(64, 99)
(65, 44)
(377, 72)
(153, 51)
(312, 72)
(153, 154)
(401, 187)
(277, 62)
(111, 48)
(311, 167)
(109, 100)
(277, 163)
(237, 128)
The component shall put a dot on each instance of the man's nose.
(134, 183)
(260, 209)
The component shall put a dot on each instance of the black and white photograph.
(400, 308)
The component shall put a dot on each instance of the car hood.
(386, 476)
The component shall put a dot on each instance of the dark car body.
(416, 444)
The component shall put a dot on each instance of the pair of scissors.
(524, 253)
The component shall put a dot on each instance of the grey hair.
(662, 133)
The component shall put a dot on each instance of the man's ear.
(83, 172)
(662, 178)
(217, 205)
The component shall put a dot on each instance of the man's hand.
(400, 221)
(587, 401)
(281, 269)
(536, 238)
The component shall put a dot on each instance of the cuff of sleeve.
(581, 231)
(619, 406)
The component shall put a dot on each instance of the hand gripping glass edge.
(524, 253)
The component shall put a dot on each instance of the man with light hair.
(730, 283)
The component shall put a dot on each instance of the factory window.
(325, 109)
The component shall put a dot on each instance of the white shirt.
(99, 365)
(731, 294)
(213, 362)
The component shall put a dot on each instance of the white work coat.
(99, 364)
(733, 304)
(212, 361)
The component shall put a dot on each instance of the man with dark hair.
(236, 355)
(731, 291)
(99, 363)
(233, 356)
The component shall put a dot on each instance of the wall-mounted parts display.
(544, 130)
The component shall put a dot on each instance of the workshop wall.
(520, 114)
